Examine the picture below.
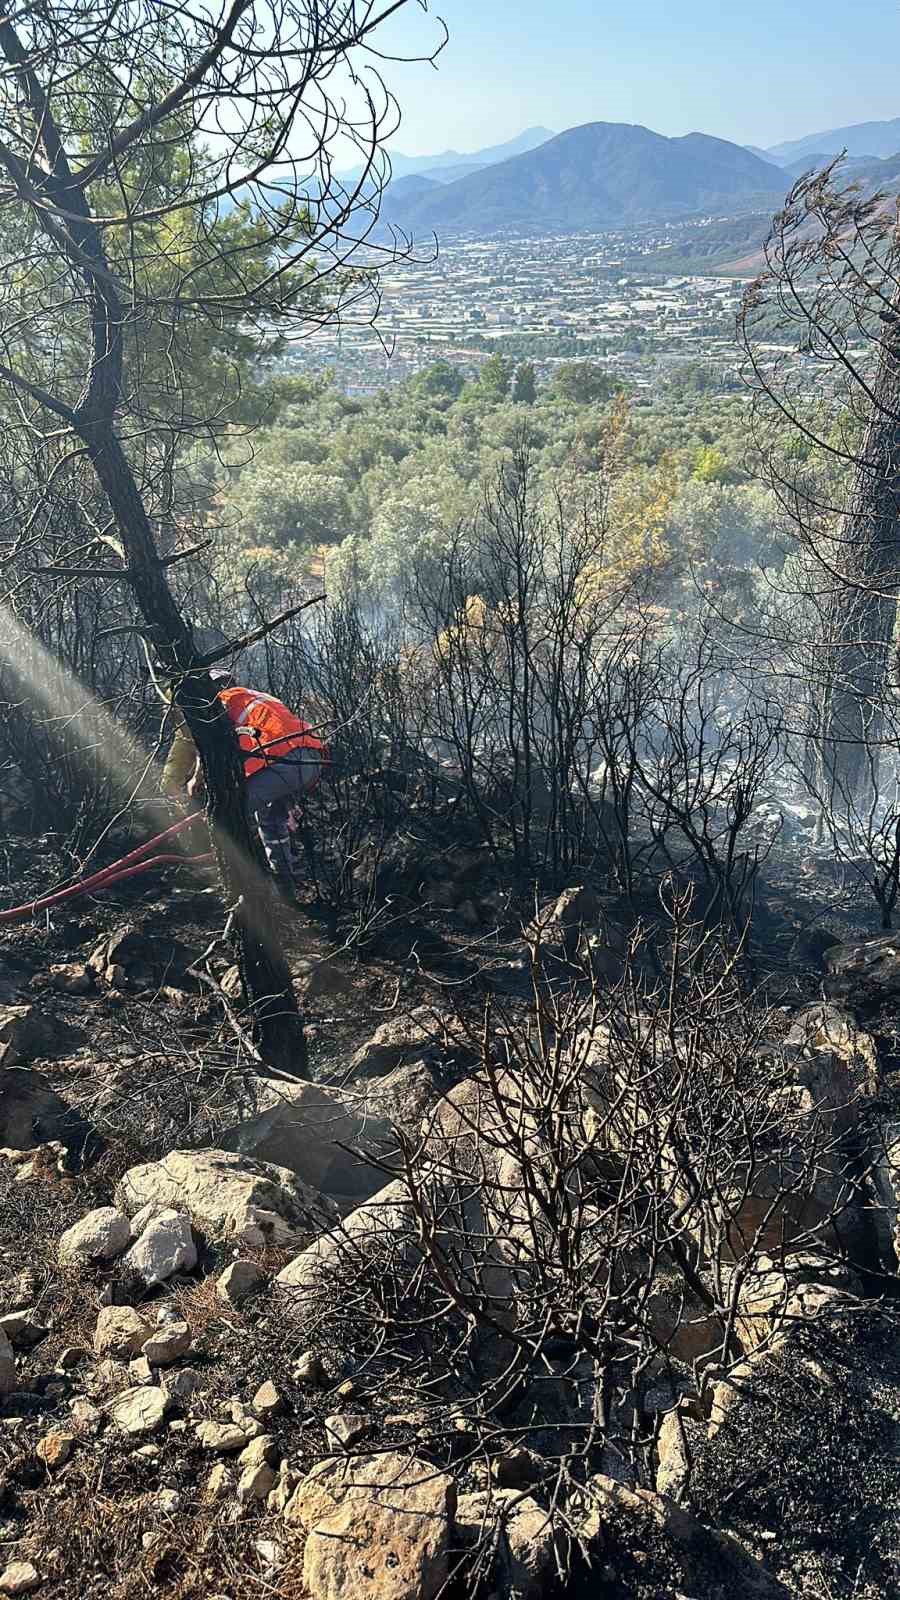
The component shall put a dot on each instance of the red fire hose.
(136, 861)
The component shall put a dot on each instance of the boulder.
(418, 1035)
(311, 1132)
(401, 1098)
(238, 1281)
(168, 1344)
(165, 1246)
(222, 1438)
(865, 971)
(27, 1033)
(101, 1235)
(32, 1113)
(19, 1577)
(22, 1329)
(649, 1547)
(521, 1534)
(139, 1410)
(377, 1528)
(120, 1332)
(224, 1193)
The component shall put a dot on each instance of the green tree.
(583, 383)
(524, 387)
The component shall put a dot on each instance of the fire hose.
(139, 860)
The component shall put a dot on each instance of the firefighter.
(283, 761)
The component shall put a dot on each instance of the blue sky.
(759, 73)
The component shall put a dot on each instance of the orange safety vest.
(267, 730)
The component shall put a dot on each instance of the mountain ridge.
(600, 174)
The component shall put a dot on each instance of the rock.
(310, 1131)
(256, 1483)
(120, 1332)
(168, 1344)
(309, 1369)
(224, 1438)
(20, 1577)
(346, 1428)
(28, 1101)
(217, 1482)
(139, 1410)
(70, 977)
(575, 912)
(182, 1385)
(22, 1329)
(418, 1036)
(653, 1547)
(267, 1402)
(866, 971)
(220, 1190)
(140, 1370)
(378, 1528)
(262, 1449)
(55, 1449)
(100, 1236)
(371, 1229)
(676, 1446)
(238, 1281)
(515, 1469)
(71, 1356)
(522, 1534)
(165, 1247)
(87, 1419)
(284, 1490)
(26, 1034)
(402, 1097)
(167, 1503)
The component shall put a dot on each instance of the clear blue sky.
(756, 73)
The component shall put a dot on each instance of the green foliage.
(524, 388)
(583, 383)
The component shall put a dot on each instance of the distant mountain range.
(452, 164)
(604, 174)
(860, 139)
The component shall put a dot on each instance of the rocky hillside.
(543, 1287)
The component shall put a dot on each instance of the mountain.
(604, 174)
(453, 162)
(860, 139)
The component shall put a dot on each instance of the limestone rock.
(165, 1247)
(223, 1438)
(120, 1332)
(345, 1428)
(100, 1236)
(238, 1281)
(262, 1449)
(168, 1344)
(256, 1482)
(521, 1531)
(139, 1410)
(379, 1225)
(312, 1132)
(267, 1402)
(220, 1190)
(400, 1039)
(20, 1577)
(378, 1528)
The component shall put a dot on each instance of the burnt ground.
(155, 1066)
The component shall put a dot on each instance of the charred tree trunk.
(72, 226)
(267, 983)
(863, 609)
